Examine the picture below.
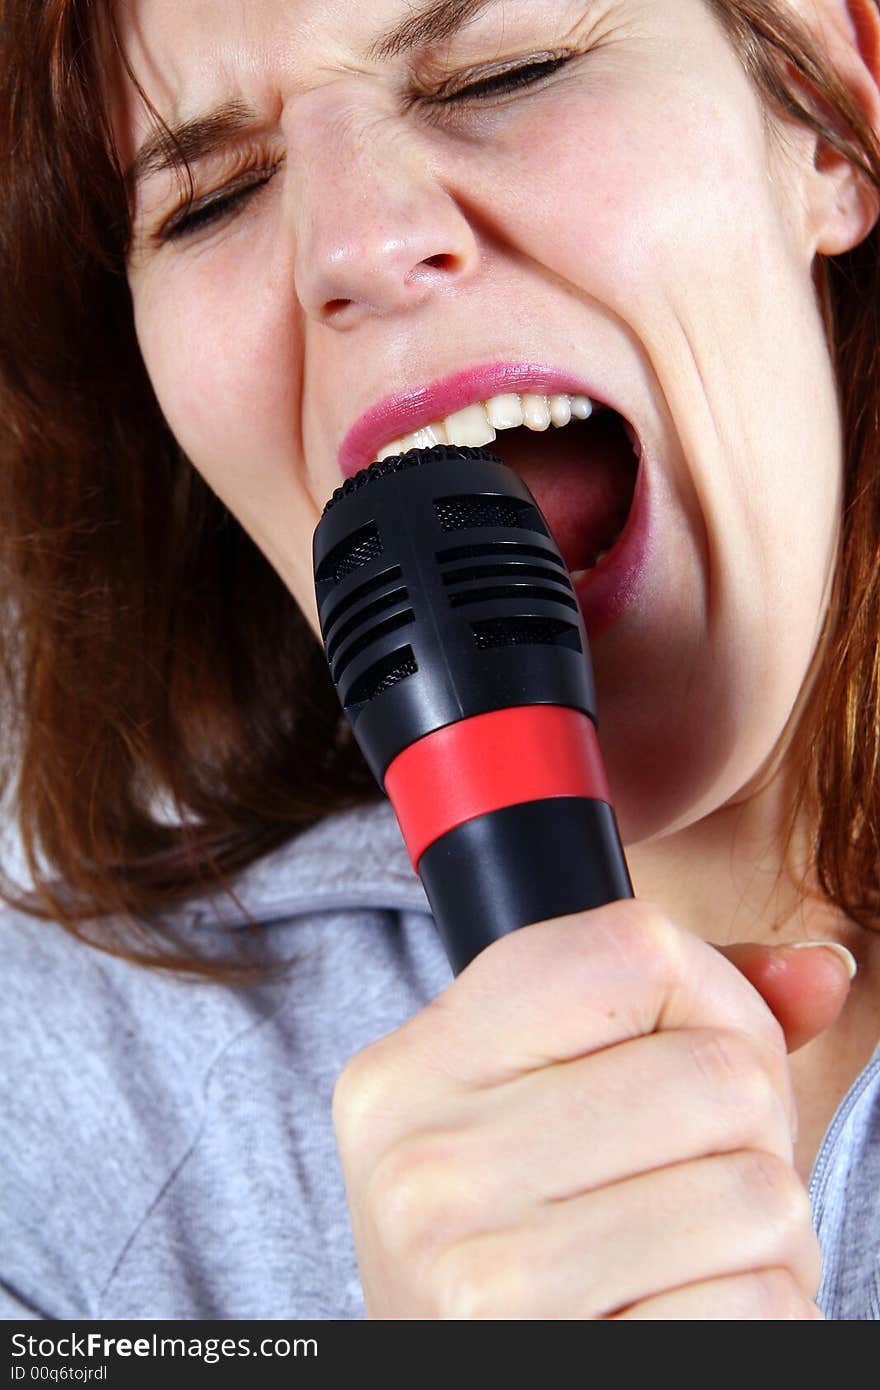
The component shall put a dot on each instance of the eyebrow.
(178, 146)
(431, 23)
(175, 147)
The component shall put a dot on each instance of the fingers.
(767, 1294)
(593, 1117)
(592, 1256)
(804, 986)
(671, 1096)
(549, 994)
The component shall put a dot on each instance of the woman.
(287, 239)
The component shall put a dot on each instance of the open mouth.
(582, 477)
(579, 459)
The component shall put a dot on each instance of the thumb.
(805, 986)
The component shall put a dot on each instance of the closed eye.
(500, 83)
(217, 207)
(194, 217)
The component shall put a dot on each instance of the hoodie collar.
(351, 859)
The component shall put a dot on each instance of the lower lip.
(607, 590)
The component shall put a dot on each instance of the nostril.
(392, 278)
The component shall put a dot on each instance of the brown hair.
(148, 650)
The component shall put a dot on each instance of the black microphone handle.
(521, 865)
(444, 603)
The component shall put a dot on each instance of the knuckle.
(731, 1068)
(419, 1197)
(646, 932)
(774, 1186)
(779, 1298)
(725, 1060)
(640, 937)
(472, 1281)
(360, 1093)
(374, 1084)
(775, 1216)
(773, 1038)
(632, 939)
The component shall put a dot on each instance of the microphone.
(459, 654)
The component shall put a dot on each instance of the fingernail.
(841, 952)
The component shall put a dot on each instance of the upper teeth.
(478, 424)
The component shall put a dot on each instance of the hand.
(593, 1121)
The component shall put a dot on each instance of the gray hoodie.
(168, 1146)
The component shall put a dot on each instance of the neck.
(736, 875)
(732, 877)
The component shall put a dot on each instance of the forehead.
(189, 55)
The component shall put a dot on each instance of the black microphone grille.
(443, 595)
(413, 458)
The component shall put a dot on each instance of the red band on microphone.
(487, 762)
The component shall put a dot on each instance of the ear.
(844, 205)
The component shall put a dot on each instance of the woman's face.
(395, 215)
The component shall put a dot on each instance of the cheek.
(667, 217)
(224, 359)
(222, 347)
(651, 195)
(673, 219)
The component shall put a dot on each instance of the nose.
(376, 231)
